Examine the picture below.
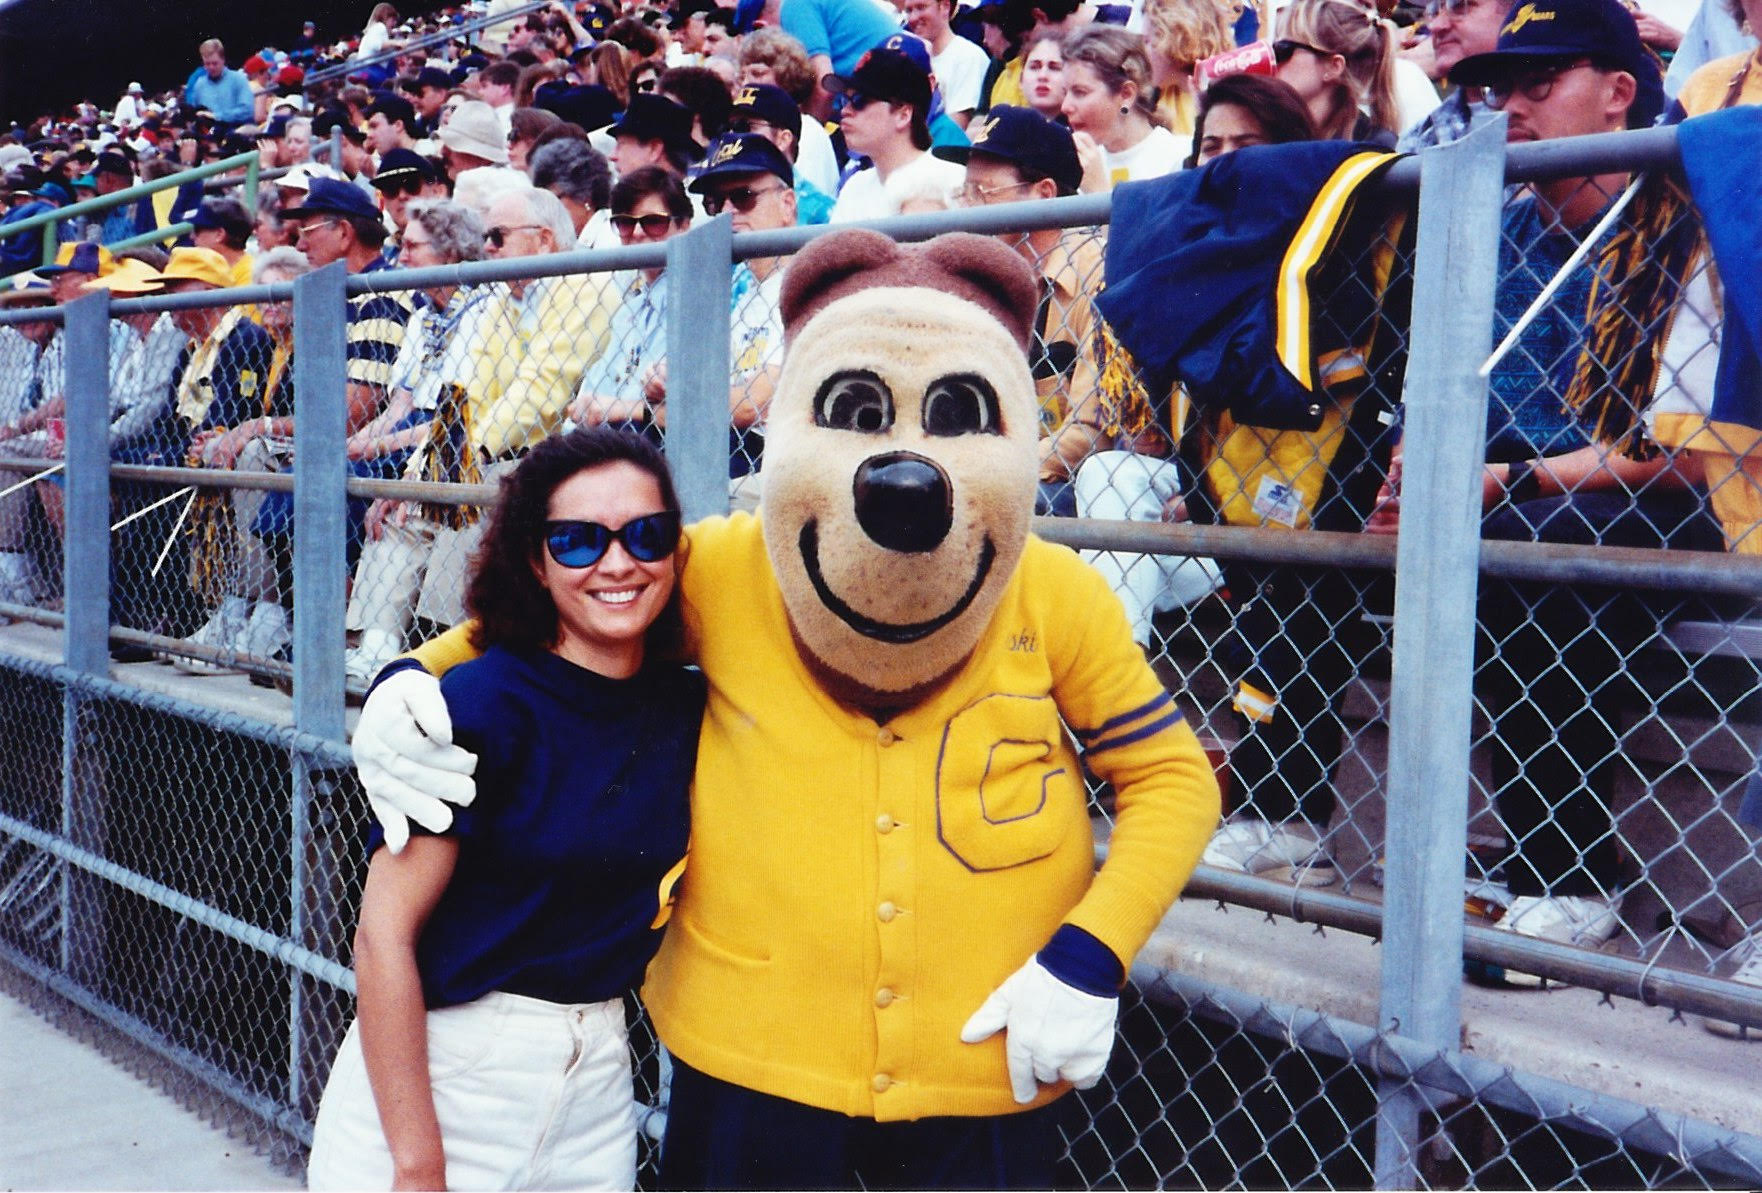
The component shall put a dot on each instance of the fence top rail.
(1530, 162)
(141, 190)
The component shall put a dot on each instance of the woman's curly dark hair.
(512, 608)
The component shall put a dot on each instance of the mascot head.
(900, 455)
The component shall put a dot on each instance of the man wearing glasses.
(338, 222)
(1018, 155)
(1569, 460)
(886, 111)
(1458, 29)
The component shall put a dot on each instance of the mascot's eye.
(964, 404)
(857, 401)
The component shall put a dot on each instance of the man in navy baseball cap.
(1545, 41)
(1030, 144)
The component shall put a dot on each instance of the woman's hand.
(1095, 180)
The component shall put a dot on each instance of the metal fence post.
(320, 534)
(699, 294)
(86, 632)
(1431, 691)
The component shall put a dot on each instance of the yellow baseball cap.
(195, 265)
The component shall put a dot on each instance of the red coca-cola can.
(58, 431)
(1255, 58)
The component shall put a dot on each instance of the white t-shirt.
(866, 197)
(1157, 154)
(960, 72)
(815, 159)
(1415, 96)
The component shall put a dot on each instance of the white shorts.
(529, 1094)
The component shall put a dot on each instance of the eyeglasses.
(498, 235)
(974, 196)
(649, 538)
(760, 127)
(648, 84)
(1285, 47)
(307, 229)
(856, 101)
(410, 187)
(653, 226)
(1534, 85)
(1454, 7)
(742, 198)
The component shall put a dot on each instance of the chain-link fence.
(181, 850)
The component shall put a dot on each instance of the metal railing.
(1408, 1105)
(49, 221)
(438, 38)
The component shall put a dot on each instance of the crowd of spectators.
(593, 125)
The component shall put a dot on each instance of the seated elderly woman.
(423, 425)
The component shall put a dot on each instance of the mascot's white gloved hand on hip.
(1052, 1030)
(406, 758)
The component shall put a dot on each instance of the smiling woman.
(493, 957)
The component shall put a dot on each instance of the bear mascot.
(891, 950)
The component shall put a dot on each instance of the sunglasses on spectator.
(393, 189)
(1285, 47)
(856, 101)
(653, 226)
(498, 235)
(742, 198)
(1534, 85)
(648, 84)
(649, 538)
(749, 126)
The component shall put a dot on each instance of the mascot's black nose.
(904, 501)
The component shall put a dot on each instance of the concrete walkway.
(70, 1118)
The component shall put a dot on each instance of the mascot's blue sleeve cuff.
(397, 665)
(1078, 959)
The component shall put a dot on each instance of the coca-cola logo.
(1255, 58)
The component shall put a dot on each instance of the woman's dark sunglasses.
(582, 544)
(653, 226)
(1285, 47)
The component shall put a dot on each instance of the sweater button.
(884, 997)
(886, 912)
(886, 737)
(884, 823)
(881, 1084)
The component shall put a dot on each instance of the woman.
(1340, 57)
(377, 37)
(1043, 77)
(489, 1050)
(1111, 108)
(648, 206)
(1179, 34)
(1242, 110)
(525, 126)
(423, 413)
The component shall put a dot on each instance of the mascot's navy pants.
(723, 1136)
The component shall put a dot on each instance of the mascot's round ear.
(976, 268)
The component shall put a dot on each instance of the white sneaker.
(378, 647)
(266, 632)
(1749, 973)
(1285, 852)
(224, 631)
(1583, 920)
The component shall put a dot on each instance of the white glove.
(406, 758)
(1052, 1030)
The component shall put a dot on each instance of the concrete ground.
(71, 1118)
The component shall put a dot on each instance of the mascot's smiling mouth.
(881, 631)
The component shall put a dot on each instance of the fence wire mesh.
(197, 880)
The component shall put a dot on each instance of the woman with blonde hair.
(1178, 35)
(1111, 107)
(1340, 57)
